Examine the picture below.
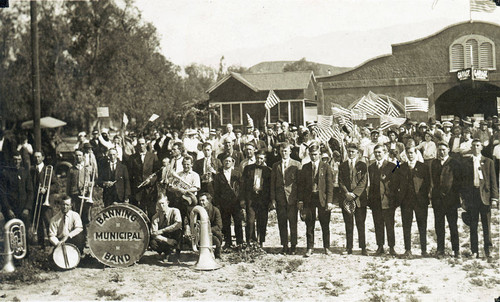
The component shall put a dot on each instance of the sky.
(336, 32)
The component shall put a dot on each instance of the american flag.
(272, 100)
(250, 121)
(324, 129)
(391, 110)
(387, 121)
(344, 116)
(416, 104)
(482, 6)
(372, 104)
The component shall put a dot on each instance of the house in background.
(237, 94)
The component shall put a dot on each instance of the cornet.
(45, 186)
(14, 242)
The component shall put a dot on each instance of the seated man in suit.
(413, 185)
(215, 219)
(381, 198)
(256, 195)
(316, 194)
(353, 180)
(166, 229)
(66, 226)
(479, 191)
(114, 180)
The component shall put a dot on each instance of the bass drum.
(66, 256)
(119, 235)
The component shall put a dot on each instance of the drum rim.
(72, 246)
(146, 222)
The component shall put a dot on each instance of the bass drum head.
(119, 235)
(66, 256)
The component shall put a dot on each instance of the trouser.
(384, 219)
(324, 221)
(287, 216)
(161, 246)
(360, 216)
(257, 211)
(451, 215)
(44, 224)
(479, 210)
(184, 208)
(407, 219)
(217, 241)
(228, 212)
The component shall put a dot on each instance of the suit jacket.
(382, 185)
(446, 183)
(215, 221)
(284, 188)
(73, 186)
(420, 180)
(226, 193)
(200, 164)
(246, 186)
(236, 155)
(325, 184)
(360, 181)
(488, 186)
(17, 190)
(139, 171)
(120, 175)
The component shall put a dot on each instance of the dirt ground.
(274, 277)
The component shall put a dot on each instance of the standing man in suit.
(479, 191)
(316, 180)
(17, 190)
(229, 150)
(256, 195)
(381, 198)
(446, 178)
(207, 168)
(353, 180)
(413, 184)
(142, 166)
(284, 195)
(226, 198)
(176, 161)
(114, 180)
(39, 173)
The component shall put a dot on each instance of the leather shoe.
(425, 254)
(456, 254)
(407, 254)
(380, 251)
(284, 250)
(349, 251)
(475, 255)
(487, 253)
(364, 252)
(440, 254)
(308, 253)
(292, 251)
(327, 251)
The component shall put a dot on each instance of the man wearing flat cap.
(446, 176)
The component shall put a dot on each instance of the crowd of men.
(240, 176)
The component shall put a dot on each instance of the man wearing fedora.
(479, 191)
(484, 136)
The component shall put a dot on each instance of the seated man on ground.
(166, 229)
(66, 227)
(215, 221)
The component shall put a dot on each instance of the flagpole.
(470, 11)
(405, 108)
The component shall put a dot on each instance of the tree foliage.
(92, 54)
(302, 65)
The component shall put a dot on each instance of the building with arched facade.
(455, 68)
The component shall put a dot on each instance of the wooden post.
(35, 76)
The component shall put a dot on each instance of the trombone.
(87, 187)
(45, 186)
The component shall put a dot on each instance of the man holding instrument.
(114, 180)
(66, 227)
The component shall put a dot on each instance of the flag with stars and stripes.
(272, 100)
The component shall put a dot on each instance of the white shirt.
(72, 226)
(227, 174)
(477, 170)
(39, 167)
(412, 164)
(176, 164)
(444, 160)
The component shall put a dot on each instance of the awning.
(45, 122)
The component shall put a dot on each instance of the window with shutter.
(472, 50)
(486, 55)
(457, 57)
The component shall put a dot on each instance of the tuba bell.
(15, 244)
(203, 233)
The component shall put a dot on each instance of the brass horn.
(14, 242)
(45, 186)
(201, 230)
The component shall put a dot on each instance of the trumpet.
(45, 186)
(87, 187)
(14, 242)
